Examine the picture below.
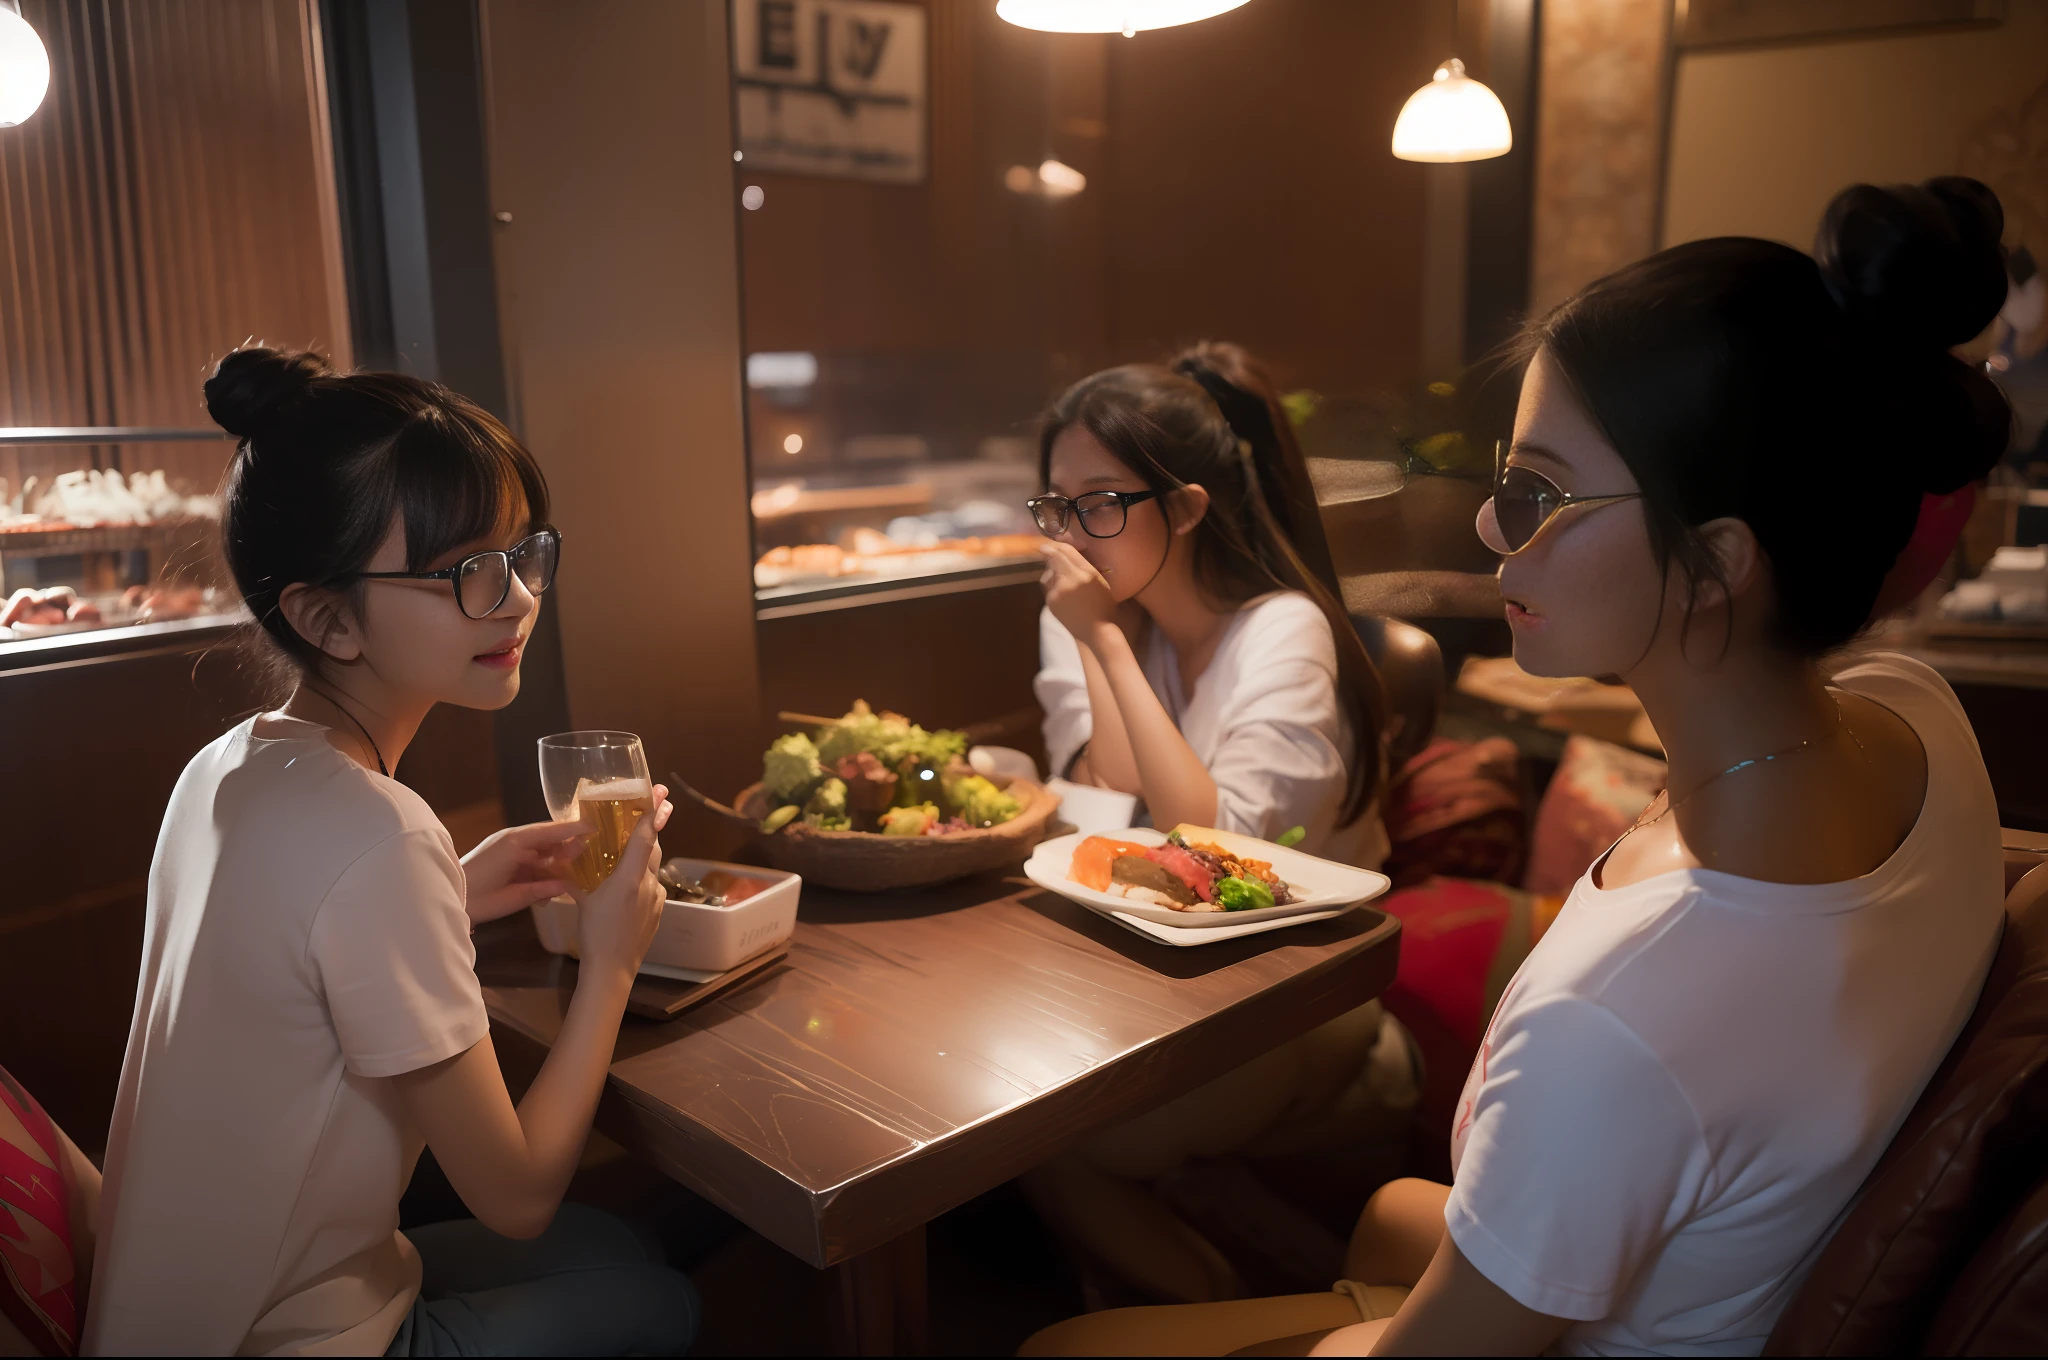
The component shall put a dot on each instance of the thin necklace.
(343, 709)
(1672, 805)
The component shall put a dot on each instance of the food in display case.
(868, 552)
(94, 548)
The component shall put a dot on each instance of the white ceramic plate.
(1181, 937)
(1320, 884)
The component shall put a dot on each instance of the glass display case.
(862, 480)
(104, 528)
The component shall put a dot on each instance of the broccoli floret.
(1242, 894)
(980, 803)
(828, 800)
(890, 737)
(909, 821)
(791, 769)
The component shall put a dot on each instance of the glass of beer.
(598, 779)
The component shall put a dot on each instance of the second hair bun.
(1921, 261)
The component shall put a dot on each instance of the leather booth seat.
(1945, 1251)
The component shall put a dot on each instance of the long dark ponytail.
(1213, 419)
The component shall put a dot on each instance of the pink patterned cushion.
(1599, 789)
(39, 1291)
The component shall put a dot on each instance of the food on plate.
(1194, 871)
(1094, 856)
(40, 607)
(718, 888)
(878, 772)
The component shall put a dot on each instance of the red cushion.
(1460, 943)
(40, 1292)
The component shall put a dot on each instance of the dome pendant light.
(24, 67)
(1108, 16)
(1453, 118)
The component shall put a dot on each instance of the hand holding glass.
(599, 779)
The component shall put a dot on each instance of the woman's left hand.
(1076, 593)
(519, 866)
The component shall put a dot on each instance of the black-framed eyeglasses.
(1524, 500)
(482, 580)
(1102, 514)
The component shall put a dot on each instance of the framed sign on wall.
(831, 87)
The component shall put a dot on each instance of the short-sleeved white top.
(306, 936)
(1690, 1076)
(1265, 721)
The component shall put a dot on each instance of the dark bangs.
(460, 477)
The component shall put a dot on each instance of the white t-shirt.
(306, 936)
(1690, 1076)
(1264, 720)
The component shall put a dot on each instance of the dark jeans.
(586, 1286)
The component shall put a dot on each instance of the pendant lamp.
(1453, 118)
(1108, 16)
(24, 67)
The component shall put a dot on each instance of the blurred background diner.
(778, 292)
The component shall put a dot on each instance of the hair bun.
(252, 388)
(1920, 261)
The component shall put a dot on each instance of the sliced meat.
(1183, 865)
(1137, 871)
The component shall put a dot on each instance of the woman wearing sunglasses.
(1195, 655)
(308, 1013)
(1719, 456)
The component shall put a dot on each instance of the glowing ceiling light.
(1453, 118)
(1108, 16)
(24, 68)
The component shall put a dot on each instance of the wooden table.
(918, 1049)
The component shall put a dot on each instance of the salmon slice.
(1093, 857)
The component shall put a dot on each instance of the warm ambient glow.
(792, 443)
(1052, 179)
(1108, 16)
(1453, 118)
(24, 68)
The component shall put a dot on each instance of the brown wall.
(611, 149)
(1762, 138)
(1240, 186)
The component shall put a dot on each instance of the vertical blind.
(172, 198)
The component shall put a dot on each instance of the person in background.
(1193, 649)
(1719, 455)
(308, 1012)
(1194, 654)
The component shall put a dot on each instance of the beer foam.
(613, 790)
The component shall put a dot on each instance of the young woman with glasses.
(1193, 649)
(309, 1014)
(1719, 456)
(1194, 654)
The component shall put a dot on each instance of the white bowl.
(1321, 883)
(694, 937)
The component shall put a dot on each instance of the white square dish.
(1181, 937)
(694, 937)
(1321, 884)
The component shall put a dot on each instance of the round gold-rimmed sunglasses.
(482, 580)
(1524, 500)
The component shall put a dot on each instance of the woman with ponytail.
(1195, 655)
(1720, 455)
(1193, 649)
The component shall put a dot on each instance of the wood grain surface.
(917, 1049)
